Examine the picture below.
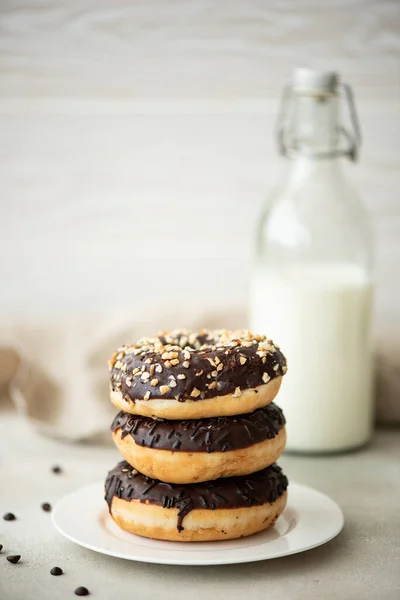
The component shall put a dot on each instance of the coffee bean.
(81, 591)
(56, 469)
(9, 517)
(46, 507)
(56, 571)
(14, 558)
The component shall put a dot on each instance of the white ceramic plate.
(309, 520)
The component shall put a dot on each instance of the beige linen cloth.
(56, 374)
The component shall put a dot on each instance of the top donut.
(182, 374)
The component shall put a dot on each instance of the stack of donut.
(199, 434)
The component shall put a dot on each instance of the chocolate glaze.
(233, 492)
(241, 367)
(202, 435)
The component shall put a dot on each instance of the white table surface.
(362, 563)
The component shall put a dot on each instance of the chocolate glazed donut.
(222, 509)
(203, 449)
(183, 375)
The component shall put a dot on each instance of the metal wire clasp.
(349, 141)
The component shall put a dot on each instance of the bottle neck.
(314, 141)
(315, 130)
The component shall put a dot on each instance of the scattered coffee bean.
(46, 507)
(56, 469)
(56, 571)
(9, 517)
(81, 591)
(14, 558)
(1, 547)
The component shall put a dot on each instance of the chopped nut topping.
(214, 373)
(174, 361)
(158, 369)
(167, 364)
(146, 396)
(164, 389)
(220, 367)
(169, 355)
(111, 362)
(152, 369)
(266, 377)
(199, 373)
(145, 376)
(135, 371)
(237, 393)
(243, 360)
(172, 383)
(185, 364)
(181, 376)
(213, 385)
(149, 360)
(195, 393)
(210, 360)
(193, 338)
(154, 382)
(187, 355)
(217, 361)
(128, 382)
(120, 355)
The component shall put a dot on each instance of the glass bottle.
(311, 288)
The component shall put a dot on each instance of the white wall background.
(136, 143)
